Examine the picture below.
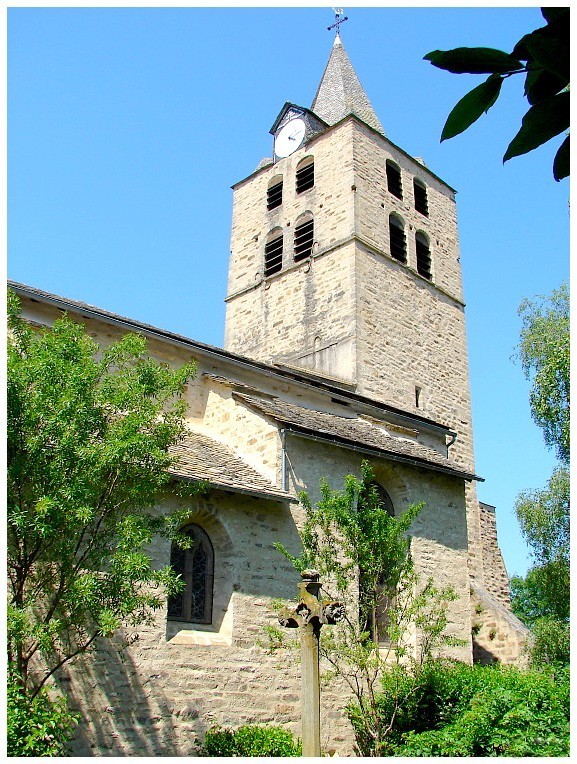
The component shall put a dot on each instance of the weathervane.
(339, 19)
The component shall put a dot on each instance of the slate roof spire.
(340, 93)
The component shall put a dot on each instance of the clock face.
(289, 137)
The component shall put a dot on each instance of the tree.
(89, 432)
(362, 553)
(541, 599)
(542, 56)
(544, 354)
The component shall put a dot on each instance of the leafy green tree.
(541, 599)
(542, 57)
(545, 357)
(544, 519)
(362, 553)
(88, 436)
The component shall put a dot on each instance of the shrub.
(250, 740)
(551, 643)
(451, 709)
(39, 727)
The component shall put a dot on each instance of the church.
(344, 342)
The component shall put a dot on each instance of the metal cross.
(339, 19)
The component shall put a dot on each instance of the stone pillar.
(309, 616)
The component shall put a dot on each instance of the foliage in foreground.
(542, 56)
(38, 727)
(362, 552)
(452, 709)
(89, 432)
(250, 740)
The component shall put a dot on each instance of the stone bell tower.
(345, 259)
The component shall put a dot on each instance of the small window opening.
(420, 192)
(398, 241)
(305, 177)
(394, 183)
(274, 196)
(273, 254)
(195, 565)
(418, 391)
(423, 256)
(304, 239)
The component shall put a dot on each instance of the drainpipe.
(283, 459)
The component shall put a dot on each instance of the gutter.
(350, 445)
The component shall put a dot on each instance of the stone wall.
(498, 635)
(495, 578)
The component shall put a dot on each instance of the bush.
(39, 727)
(250, 740)
(451, 709)
(551, 643)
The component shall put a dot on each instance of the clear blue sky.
(127, 127)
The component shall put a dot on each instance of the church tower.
(345, 263)
(345, 259)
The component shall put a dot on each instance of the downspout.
(283, 459)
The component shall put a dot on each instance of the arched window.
(305, 177)
(196, 567)
(397, 238)
(273, 252)
(423, 255)
(394, 183)
(304, 237)
(420, 195)
(384, 498)
(274, 193)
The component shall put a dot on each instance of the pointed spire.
(340, 92)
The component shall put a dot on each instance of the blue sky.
(127, 127)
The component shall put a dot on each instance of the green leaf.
(561, 163)
(541, 84)
(520, 50)
(550, 49)
(542, 122)
(474, 61)
(477, 102)
(555, 14)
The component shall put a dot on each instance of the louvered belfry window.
(195, 565)
(397, 239)
(304, 238)
(423, 256)
(421, 202)
(273, 254)
(274, 196)
(305, 177)
(394, 183)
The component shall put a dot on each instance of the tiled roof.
(340, 92)
(355, 431)
(202, 458)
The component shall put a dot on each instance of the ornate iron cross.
(339, 19)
